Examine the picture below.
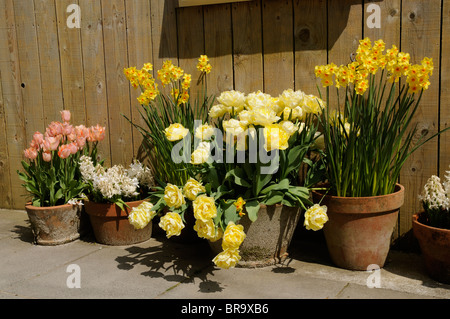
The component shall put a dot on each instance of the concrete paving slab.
(169, 269)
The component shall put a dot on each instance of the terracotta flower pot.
(268, 238)
(358, 232)
(111, 226)
(435, 246)
(55, 225)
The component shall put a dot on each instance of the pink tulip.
(47, 156)
(30, 153)
(82, 131)
(73, 147)
(51, 143)
(97, 133)
(67, 129)
(54, 129)
(64, 151)
(38, 138)
(81, 142)
(65, 115)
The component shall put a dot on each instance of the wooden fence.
(268, 45)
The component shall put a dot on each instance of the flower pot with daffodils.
(243, 189)
(367, 141)
(431, 227)
(115, 202)
(52, 177)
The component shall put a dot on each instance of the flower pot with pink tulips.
(52, 177)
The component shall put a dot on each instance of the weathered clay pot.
(268, 238)
(111, 226)
(358, 232)
(435, 246)
(55, 225)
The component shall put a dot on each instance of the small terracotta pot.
(358, 232)
(55, 225)
(111, 226)
(435, 247)
(268, 238)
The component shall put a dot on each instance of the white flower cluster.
(115, 181)
(436, 195)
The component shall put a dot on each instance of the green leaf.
(274, 197)
(284, 184)
(252, 208)
(229, 211)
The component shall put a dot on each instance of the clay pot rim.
(110, 210)
(30, 206)
(399, 188)
(416, 221)
(89, 202)
(389, 203)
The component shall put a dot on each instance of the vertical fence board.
(29, 66)
(247, 46)
(444, 145)
(71, 64)
(278, 46)
(140, 51)
(12, 103)
(420, 38)
(190, 43)
(49, 62)
(164, 32)
(310, 36)
(96, 104)
(118, 87)
(218, 47)
(5, 177)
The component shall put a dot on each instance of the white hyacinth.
(434, 195)
(115, 181)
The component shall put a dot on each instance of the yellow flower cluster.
(315, 217)
(232, 238)
(176, 132)
(369, 59)
(169, 74)
(141, 215)
(239, 203)
(279, 116)
(144, 79)
(172, 224)
(203, 64)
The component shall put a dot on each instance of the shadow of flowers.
(174, 261)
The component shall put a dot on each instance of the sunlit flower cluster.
(436, 194)
(141, 215)
(169, 75)
(369, 60)
(62, 139)
(116, 181)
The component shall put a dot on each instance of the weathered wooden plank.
(218, 47)
(278, 46)
(190, 43)
(29, 66)
(188, 3)
(310, 36)
(12, 103)
(50, 66)
(94, 72)
(140, 51)
(444, 145)
(420, 38)
(164, 32)
(344, 29)
(5, 176)
(71, 64)
(118, 87)
(247, 47)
